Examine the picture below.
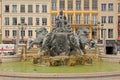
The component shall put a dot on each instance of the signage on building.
(110, 43)
(7, 47)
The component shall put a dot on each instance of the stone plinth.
(22, 49)
(110, 58)
(11, 58)
(100, 49)
(63, 60)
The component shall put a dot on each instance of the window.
(22, 20)
(14, 20)
(14, 8)
(6, 33)
(44, 8)
(70, 4)
(118, 7)
(86, 18)
(77, 18)
(94, 19)
(22, 32)
(62, 4)
(78, 4)
(86, 4)
(14, 32)
(70, 18)
(118, 33)
(30, 8)
(53, 18)
(94, 4)
(30, 33)
(54, 3)
(30, 21)
(118, 21)
(44, 21)
(22, 8)
(6, 20)
(110, 33)
(101, 33)
(103, 19)
(37, 21)
(110, 7)
(6, 8)
(103, 7)
(110, 19)
(37, 8)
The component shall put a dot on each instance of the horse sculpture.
(40, 34)
(61, 46)
(82, 34)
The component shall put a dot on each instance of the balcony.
(8, 39)
(82, 22)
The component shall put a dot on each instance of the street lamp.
(98, 32)
(104, 37)
(22, 28)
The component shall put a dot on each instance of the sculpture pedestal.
(11, 58)
(100, 49)
(22, 50)
(63, 60)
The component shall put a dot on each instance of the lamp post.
(98, 32)
(104, 39)
(17, 42)
(22, 28)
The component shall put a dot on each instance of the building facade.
(98, 16)
(108, 26)
(118, 24)
(80, 13)
(95, 15)
(29, 14)
(0, 21)
(118, 18)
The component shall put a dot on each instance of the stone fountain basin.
(10, 58)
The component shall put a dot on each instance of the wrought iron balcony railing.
(81, 22)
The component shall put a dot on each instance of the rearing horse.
(40, 34)
(82, 34)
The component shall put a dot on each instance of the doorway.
(109, 50)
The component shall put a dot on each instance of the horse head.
(83, 35)
(41, 31)
(40, 35)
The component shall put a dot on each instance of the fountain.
(61, 46)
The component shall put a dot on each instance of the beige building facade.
(108, 18)
(108, 24)
(29, 14)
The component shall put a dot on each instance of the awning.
(7, 39)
